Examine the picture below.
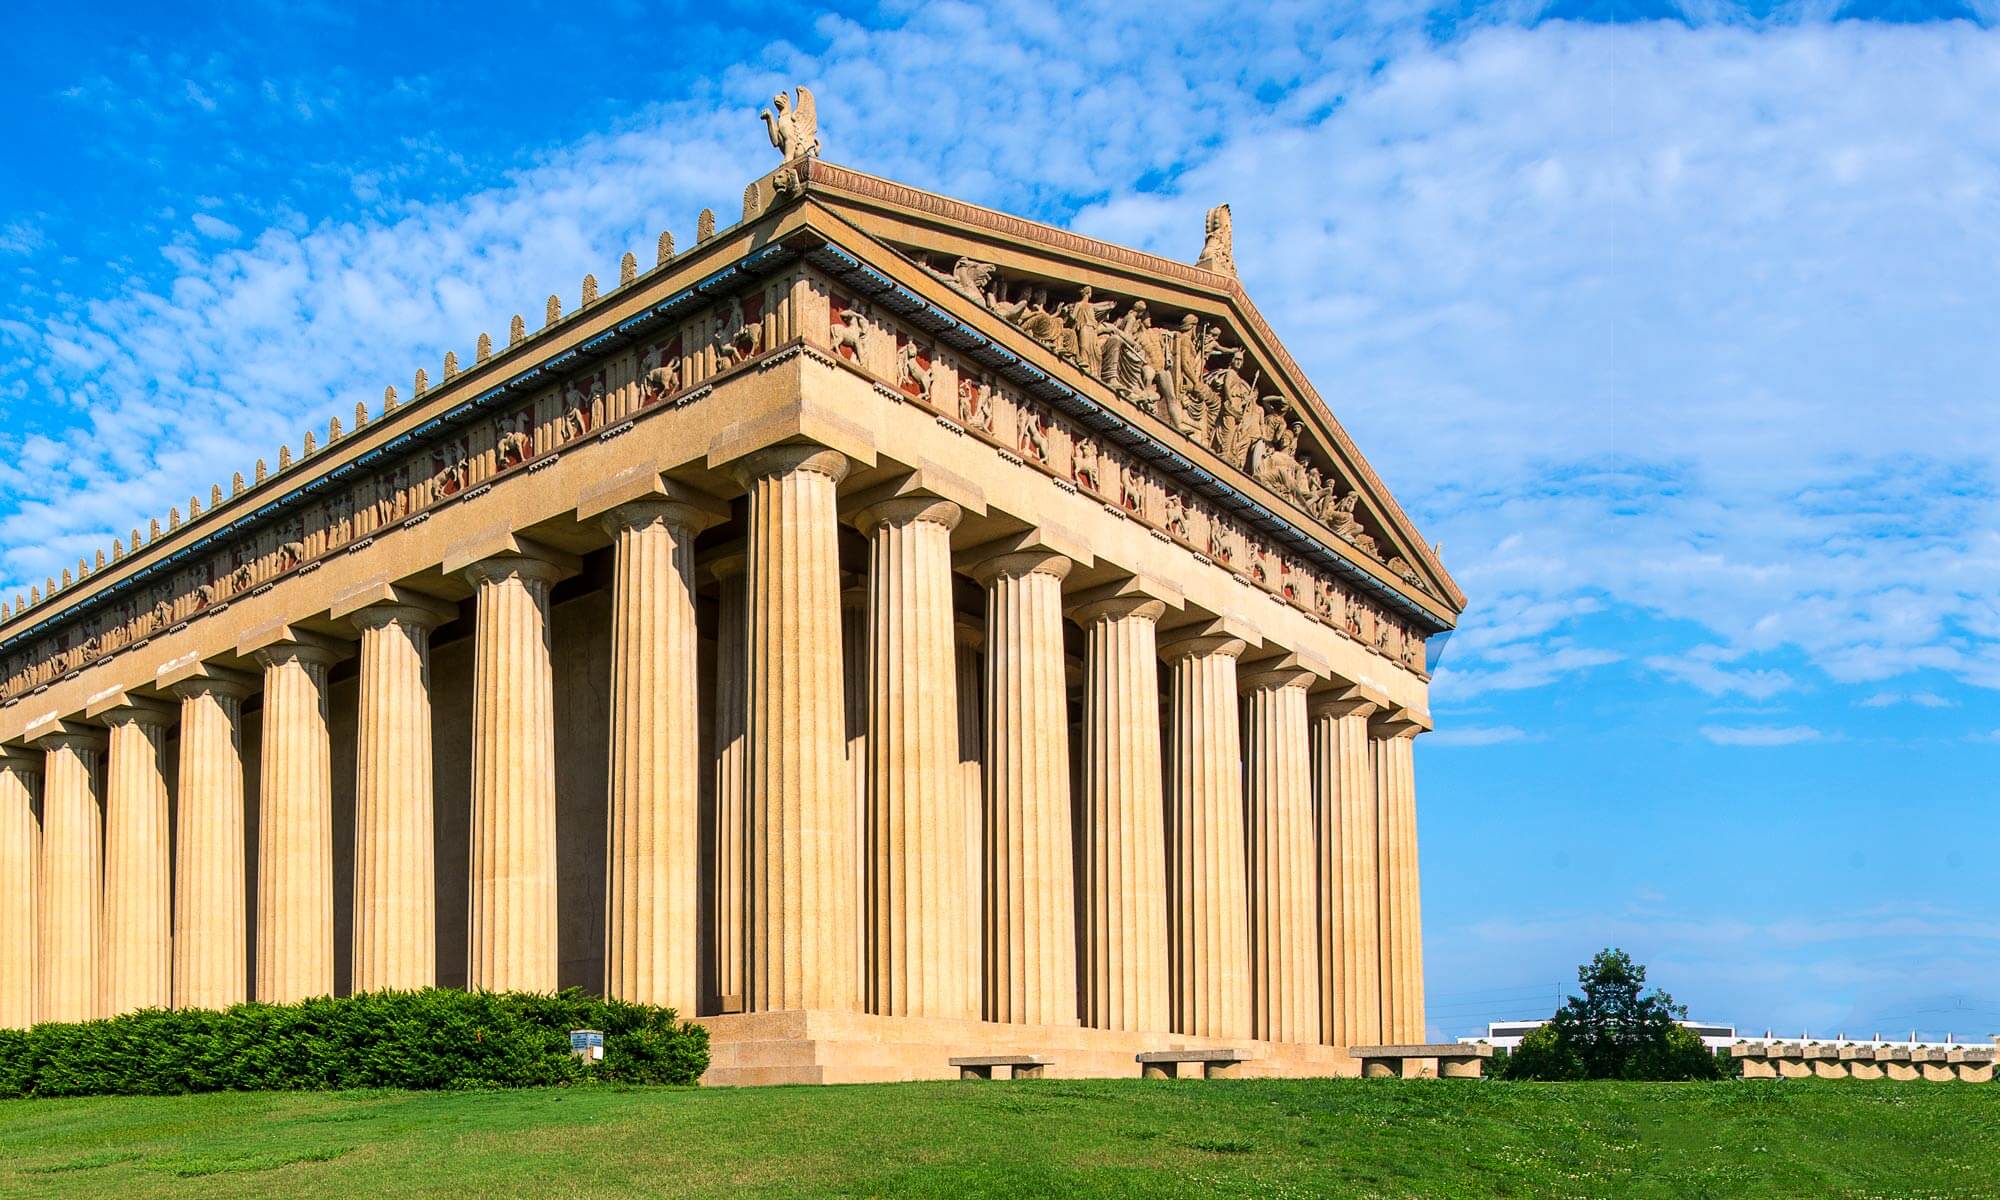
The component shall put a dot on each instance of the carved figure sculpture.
(1034, 438)
(968, 277)
(1083, 466)
(1085, 317)
(663, 378)
(1237, 422)
(975, 404)
(911, 373)
(1218, 242)
(738, 339)
(513, 448)
(846, 331)
(793, 128)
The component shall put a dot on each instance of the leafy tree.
(1614, 1030)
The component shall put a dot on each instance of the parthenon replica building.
(886, 629)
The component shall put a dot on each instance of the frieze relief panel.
(457, 469)
(677, 362)
(1182, 372)
(907, 365)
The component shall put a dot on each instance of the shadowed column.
(1402, 920)
(511, 944)
(1207, 915)
(969, 635)
(1350, 941)
(210, 919)
(295, 824)
(20, 887)
(916, 841)
(653, 864)
(138, 867)
(395, 852)
(1283, 892)
(728, 849)
(800, 797)
(1124, 883)
(1030, 975)
(72, 876)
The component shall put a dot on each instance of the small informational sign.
(587, 1044)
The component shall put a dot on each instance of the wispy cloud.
(1478, 735)
(1759, 735)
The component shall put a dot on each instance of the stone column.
(653, 846)
(138, 867)
(512, 940)
(72, 876)
(395, 852)
(1030, 941)
(210, 924)
(727, 896)
(1402, 920)
(801, 915)
(1350, 939)
(1207, 906)
(295, 824)
(854, 707)
(916, 838)
(1284, 891)
(970, 635)
(20, 887)
(1124, 853)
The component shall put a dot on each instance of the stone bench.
(1019, 1066)
(1423, 1060)
(1166, 1064)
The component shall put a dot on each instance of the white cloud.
(215, 227)
(1477, 735)
(1759, 735)
(1694, 333)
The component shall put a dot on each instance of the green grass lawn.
(1033, 1138)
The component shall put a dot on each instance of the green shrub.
(424, 1040)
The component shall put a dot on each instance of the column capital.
(1285, 671)
(1347, 700)
(1399, 723)
(374, 605)
(968, 630)
(508, 555)
(727, 561)
(1207, 634)
(1022, 563)
(275, 644)
(1046, 541)
(58, 733)
(17, 760)
(787, 458)
(1134, 596)
(127, 709)
(655, 496)
(907, 510)
(187, 680)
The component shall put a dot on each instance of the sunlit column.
(72, 872)
(210, 910)
(295, 824)
(1283, 889)
(138, 959)
(1350, 940)
(1207, 906)
(20, 886)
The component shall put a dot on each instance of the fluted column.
(20, 887)
(1124, 853)
(801, 912)
(1402, 918)
(653, 860)
(138, 867)
(1344, 808)
(512, 939)
(1030, 941)
(395, 851)
(72, 877)
(916, 839)
(727, 849)
(295, 825)
(1284, 891)
(210, 921)
(854, 706)
(970, 636)
(1207, 914)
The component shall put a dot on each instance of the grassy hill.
(1033, 1138)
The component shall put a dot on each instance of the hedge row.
(423, 1040)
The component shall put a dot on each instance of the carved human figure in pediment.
(1084, 318)
(969, 277)
(1238, 422)
(1041, 322)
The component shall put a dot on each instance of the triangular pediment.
(1178, 345)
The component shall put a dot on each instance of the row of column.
(1275, 902)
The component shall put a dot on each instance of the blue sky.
(1675, 324)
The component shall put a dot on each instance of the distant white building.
(1506, 1035)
